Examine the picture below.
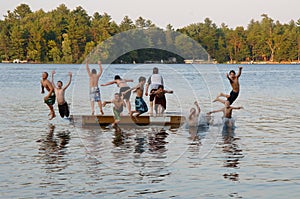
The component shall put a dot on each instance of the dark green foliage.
(64, 36)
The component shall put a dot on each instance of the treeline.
(68, 36)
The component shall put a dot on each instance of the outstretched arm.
(215, 111)
(52, 78)
(128, 80)
(101, 69)
(240, 71)
(168, 91)
(108, 83)
(239, 107)
(68, 84)
(87, 68)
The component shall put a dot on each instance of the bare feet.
(93, 112)
(52, 116)
(101, 111)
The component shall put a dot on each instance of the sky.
(177, 13)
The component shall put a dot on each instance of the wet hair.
(155, 70)
(142, 79)
(232, 71)
(46, 74)
(160, 86)
(117, 77)
(60, 82)
(94, 71)
(118, 94)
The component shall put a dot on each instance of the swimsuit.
(95, 95)
(140, 105)
(64, 110)
(160, 99)
(233, 96)
(123, 89)
(117, 112)
(51, 99)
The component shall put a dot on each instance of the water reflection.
(231, 149)
(53, 148)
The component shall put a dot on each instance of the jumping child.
(63, 107)
(160, 99)
(234, 81)
(50, 98)
(118, 107)
(95, 95)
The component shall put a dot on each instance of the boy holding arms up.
(95, 95)
(60, 95)
(234, 81)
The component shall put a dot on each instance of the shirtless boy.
(194, 115)
(227, 112)
(50, 98)
(122, 84)
(160, 99)
(95, 95)
(59, 90)
(118, 107)
(140, 104)
(234, 81)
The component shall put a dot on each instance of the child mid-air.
(95, 95)
(59, 90)
(234, 82)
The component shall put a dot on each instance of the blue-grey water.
(259, 158)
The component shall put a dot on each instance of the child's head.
(44, 75)
(232, 73)
(59, 84)
(117, 96)
(160, 88)
(142, 80)
(117, 77)
(94, 71)
(155, 70)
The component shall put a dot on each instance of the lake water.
(260, 158)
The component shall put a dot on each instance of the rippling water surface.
(259, 158)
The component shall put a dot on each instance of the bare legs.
(128, 105)
(221, 100)
(52, 113)
(93, 107)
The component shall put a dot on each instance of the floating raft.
(175, 121)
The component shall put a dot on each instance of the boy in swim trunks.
(140, 104)
(63, 107)
(122, 84)
(160, 99)
(118, 107)
(95, 95)
(154, 81)
(234, 81)
(50, 98)
(227, 112)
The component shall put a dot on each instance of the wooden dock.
(174, 121)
